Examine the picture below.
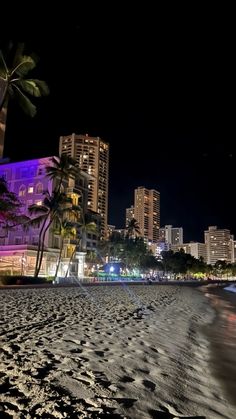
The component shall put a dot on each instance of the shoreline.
(222, 336)
(192, 283)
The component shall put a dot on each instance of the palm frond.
(28, 86)
(23, 65)
(35, 222)
(27, 106)
(42, 85)
(37, 209)
(33, 87)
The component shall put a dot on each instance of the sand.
(97, 352)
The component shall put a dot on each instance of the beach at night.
(123, 351)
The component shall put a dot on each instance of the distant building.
(171, 235)
(218, 245)
(92, 154)
(233, 251)
(110, 229)
(129, 215)
(147, 212)
(197, 250)
(121, 231)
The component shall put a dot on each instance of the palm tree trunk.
(3, 93)
(39, 248)
(3, 112)
(3, 118)
(59, 258)
(42, 248)
(71, 258)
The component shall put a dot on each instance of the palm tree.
(84, 226)
(14, 84)
(63, 168)
(52, 207)
(65, 229)
(133, 229)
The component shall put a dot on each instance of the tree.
(133, 229)
(10, 215)
(86, 226)
(51, 209)
(54, 206)
(15, 84)
(63, 168)
(65, 229)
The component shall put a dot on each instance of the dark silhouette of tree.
(14, 83)
(133, 229)
(10, 206)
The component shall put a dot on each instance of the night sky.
(158, 88)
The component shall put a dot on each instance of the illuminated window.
(22, 190)
(30, 189)
(39, 188)
(38, 202)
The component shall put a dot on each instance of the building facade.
(218, 245)
(171, 235)
(195, 249)
(147, 212)
(18, 247)
(92, 154)
(129, 215)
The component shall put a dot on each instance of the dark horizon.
(135, 85)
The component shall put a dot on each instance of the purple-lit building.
(28, 181)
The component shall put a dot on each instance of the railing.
(73, 190)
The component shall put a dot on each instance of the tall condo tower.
(147, 212)
(92, 154)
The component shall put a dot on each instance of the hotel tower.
(147, 212)
(92, 154)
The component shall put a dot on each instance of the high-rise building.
(171, 235)
(147, 212)
(129, 215)
(218, 245)
(92, 154)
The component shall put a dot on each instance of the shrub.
(21, 280)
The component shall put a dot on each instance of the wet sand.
(222, 335)
(96, 352)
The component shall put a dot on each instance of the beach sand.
(97, 352)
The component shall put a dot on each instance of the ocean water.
(222, 335)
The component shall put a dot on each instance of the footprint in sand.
(149, 385)
(99, 353)
(126, 379)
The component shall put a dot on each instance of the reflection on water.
(222, 334)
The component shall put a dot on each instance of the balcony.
(73, 190)
(70, 241)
